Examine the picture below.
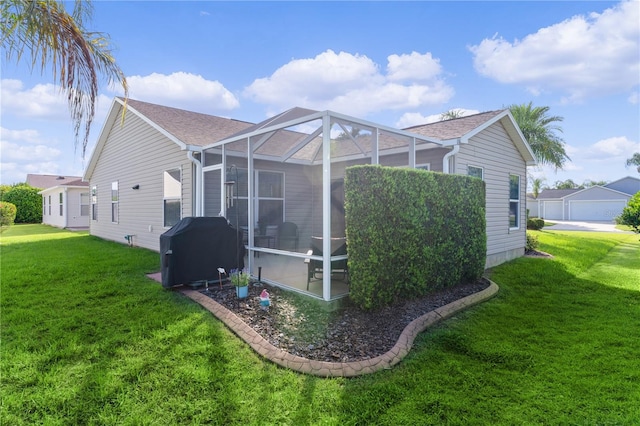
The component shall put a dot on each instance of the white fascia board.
(102, 138)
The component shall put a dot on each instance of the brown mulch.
(350, 333)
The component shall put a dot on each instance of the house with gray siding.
(596, 203)
(161, 164)
(65, 200)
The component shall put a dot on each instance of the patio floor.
(291, 272)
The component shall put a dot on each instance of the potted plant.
(240, 279)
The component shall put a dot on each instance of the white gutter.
(445, 159)
(198, 183)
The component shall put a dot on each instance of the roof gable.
(464, 128)
(189, 130)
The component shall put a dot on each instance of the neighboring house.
(596, 203)
(532, 205)
(65, 200)
(163, 164)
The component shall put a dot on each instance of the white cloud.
(601, 161)
(415, 118)
(415, 67)
(181, 90)
(42, 101)
(352, 84)
(26, 151)
(582, 56)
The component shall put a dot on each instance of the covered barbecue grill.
(194, 248)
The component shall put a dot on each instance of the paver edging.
(338, 369)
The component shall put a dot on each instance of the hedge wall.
(410, 232)
(27, 200)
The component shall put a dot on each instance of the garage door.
(551, 210)
(595, 210)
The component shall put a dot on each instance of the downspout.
(198, 185)
(445, 159)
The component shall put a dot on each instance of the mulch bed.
(350, 333)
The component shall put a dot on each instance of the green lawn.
(88, 339)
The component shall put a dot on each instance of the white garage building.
(597, 203)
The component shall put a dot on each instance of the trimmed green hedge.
(7, 213)
(410, 232)
(27, 200)
(535, 223)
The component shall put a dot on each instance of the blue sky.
(396, 63)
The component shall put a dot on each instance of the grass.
(88, 339)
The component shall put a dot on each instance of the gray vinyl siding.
(137, 154)
(628, 185)
(493, 150)
(74, 219)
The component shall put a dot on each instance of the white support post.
(250, 203)
(375, 155)
(326, 207)
(412, 153)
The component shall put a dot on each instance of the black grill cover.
(194, 248)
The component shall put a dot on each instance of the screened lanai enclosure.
(282, 182)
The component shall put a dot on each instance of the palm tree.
(451, 114)
(539, 130)
(52, 37)
(536, 186)
(634, 160)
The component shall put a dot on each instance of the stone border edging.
(338, 369)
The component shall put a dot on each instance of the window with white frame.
(514, 201)
(114, 202)
(84, 204)
(425, 166)
(61, 203)
(44, 205)
(49, 205)
(474, 171)
(172, 197)
(94, 203)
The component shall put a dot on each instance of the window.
(426, 166)
(84, 204)
(172, 197)
(44, 205)
(49, 205)
(514, 201)
(94, 203)
(474, 171)
(61, 204)
(114, 202)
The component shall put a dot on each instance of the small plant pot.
(242, 292)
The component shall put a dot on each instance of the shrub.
(410, 232)
(7, 213)
(532, 243)
(631, 214)
(27, 201)
(535, 223)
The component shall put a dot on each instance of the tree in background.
(451, 114)
(27, 201)
(631, 213)
(50, 36)
(539, 129)
(536, 186)
(567, 184)
(590, 183)
(634, 161)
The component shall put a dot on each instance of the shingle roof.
(49, 181)
(192, 128)
(454, 128)
(550, 194)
